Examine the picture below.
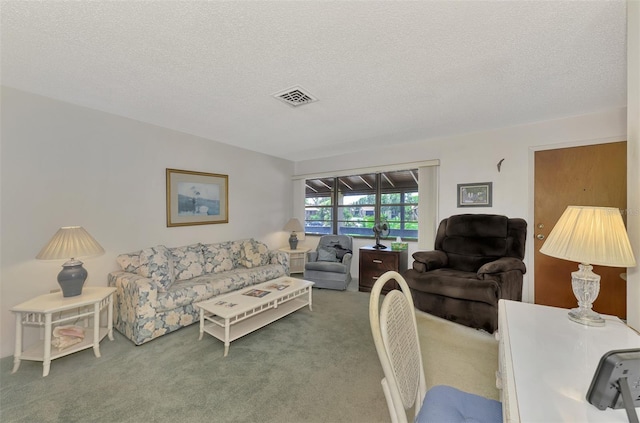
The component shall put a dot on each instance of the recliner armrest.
(503, 264)
(312, 256)
(346, 260)
(430, 260)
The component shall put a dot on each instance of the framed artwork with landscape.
(196, 198)
(475, 195)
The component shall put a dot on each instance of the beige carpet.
(458, 356)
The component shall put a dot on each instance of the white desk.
(547, 363)
(40, 311)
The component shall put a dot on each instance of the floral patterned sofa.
(157, 286)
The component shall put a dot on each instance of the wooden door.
(594, 175)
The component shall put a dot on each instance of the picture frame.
(477, 194)
(196, 198)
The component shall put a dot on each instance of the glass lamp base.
(586, 286)
(586, 317)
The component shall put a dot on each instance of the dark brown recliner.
(476, 262)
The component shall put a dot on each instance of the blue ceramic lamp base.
(71, 278)
(293, 241)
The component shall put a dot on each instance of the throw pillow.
(236, 252)
(327, 254)
(156, 263)
(217, 258)
(254, 254)
(129, 262)
(188, 261)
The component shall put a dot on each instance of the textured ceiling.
(383, 72)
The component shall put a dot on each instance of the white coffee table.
(231, 316)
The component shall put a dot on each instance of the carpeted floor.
(311, 366)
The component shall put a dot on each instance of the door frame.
(528, 292)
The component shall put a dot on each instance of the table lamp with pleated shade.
(589, 235)
(71, 242)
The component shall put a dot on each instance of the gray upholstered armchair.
(477, 261)
(329, 266)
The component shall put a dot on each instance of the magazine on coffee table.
(256, 293)
(225, 304)
(278, 286)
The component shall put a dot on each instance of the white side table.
(297, 259)
(48, 310)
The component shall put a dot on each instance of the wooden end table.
(375, 262)
(49, 310)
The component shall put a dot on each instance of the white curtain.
(428, 206)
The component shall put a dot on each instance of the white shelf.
(36, 352)
(254, 322)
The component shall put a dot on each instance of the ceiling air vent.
(295, 96)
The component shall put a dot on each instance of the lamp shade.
(293, 225)
(590, 235)
(70, 242)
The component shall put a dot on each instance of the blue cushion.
(445, 404)
(327, 254)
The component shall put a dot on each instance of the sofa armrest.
(312, 256)
(503, 264)
(279, 257)
(507, 272)
(346, 260)
(136, 296)
(429, 260)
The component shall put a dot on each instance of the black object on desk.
(616, 382)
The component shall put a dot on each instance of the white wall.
(63, 164)
(473, 158)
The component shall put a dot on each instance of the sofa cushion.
(477, 225)
(217, 257)
(188, 261)
(156, 263)
(182, 293)
(236, 252)
(201, 288)
(471, 240)
(326, 266)
(130, 262)
(254, 254)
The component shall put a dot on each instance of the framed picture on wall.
(475, 195)
(196, 198)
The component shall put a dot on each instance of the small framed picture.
(196, 198)
(475, 195)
